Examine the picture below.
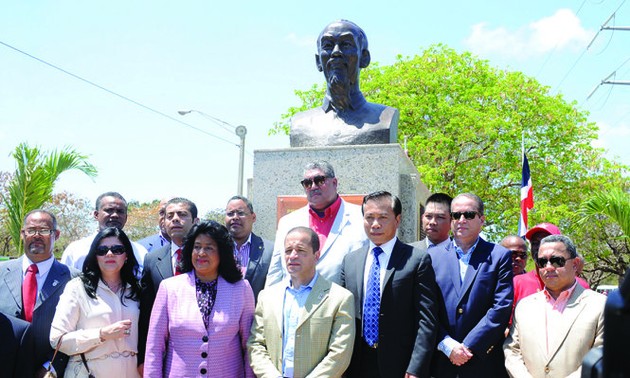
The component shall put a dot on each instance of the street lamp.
(240, 131)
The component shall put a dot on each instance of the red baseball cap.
(549, 228)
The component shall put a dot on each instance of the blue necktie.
(372, 304)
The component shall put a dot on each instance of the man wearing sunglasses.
(518, 247)
(530, 283)
(338, 224)
(110, 211)
(30, 287)
(555, 328)
(475, 279)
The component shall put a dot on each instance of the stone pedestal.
(360, 169)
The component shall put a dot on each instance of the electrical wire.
(137, 103)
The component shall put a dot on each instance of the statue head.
(342, 50)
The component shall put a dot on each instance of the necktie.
(372, 303)
(29, 292)
(178, 260)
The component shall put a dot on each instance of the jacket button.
(460, 310)
(547, 369)
(203, 371)
(204, 354)
(204, 339)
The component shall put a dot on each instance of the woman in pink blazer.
(201, 319)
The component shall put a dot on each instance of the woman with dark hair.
(201, 319)
(97, 316)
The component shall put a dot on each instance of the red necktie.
(178, 260)
(29, 292)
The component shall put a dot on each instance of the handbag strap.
(56, 350)
(85, 364)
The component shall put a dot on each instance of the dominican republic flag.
(527, 197)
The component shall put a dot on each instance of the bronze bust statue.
(345, 116)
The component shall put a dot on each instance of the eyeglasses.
(102, 250)
(42, 232)
(556, 261)
(519, 254)
(239, 214)
(318, 180)
(467, 214)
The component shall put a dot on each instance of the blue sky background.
(241, 62)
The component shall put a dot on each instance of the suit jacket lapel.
(569, 316)
(393, 261)
(278, 306)
(359, 274)
(315, 299)
(452, 263)
(255, 252)
(479, 255)
(340, 222)
(164, 264)
(13, 280)
(57, 274)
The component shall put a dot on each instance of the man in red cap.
(530, 282)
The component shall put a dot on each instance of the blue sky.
(241, 62)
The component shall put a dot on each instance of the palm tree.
(34, 179)
(614, 203)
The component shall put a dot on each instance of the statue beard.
(339, 89)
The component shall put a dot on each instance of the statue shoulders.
(370, 124)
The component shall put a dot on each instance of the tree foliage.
(33, 181)
(74, 218)
(606, 212)
(142, 220)
(462, 122)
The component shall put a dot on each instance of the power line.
(117, 94)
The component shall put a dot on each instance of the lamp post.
(240, 131)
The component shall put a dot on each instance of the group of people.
(337, 294)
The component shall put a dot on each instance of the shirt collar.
(461, 251)
(174, 248)
(356, 102)
(309, 285)
(387, 247)
(42, 267)
(330, 211)
(564, 295)
(248, 241)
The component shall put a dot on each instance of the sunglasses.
(519, 254)
(556, 262)
(467, 214)
(116, 250)
(318, 180)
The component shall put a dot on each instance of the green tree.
(606, 212)
(462, 120)
(34, 179)
(216, 214)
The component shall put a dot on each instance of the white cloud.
(562, 30)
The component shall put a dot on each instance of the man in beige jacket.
(303, 327)
(555, 328)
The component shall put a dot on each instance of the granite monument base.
(360, 169)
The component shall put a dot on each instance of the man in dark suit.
(475, 280)
(252, 253)
(395, 297)
(38, 273)
(12, 333)
(180, 214)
